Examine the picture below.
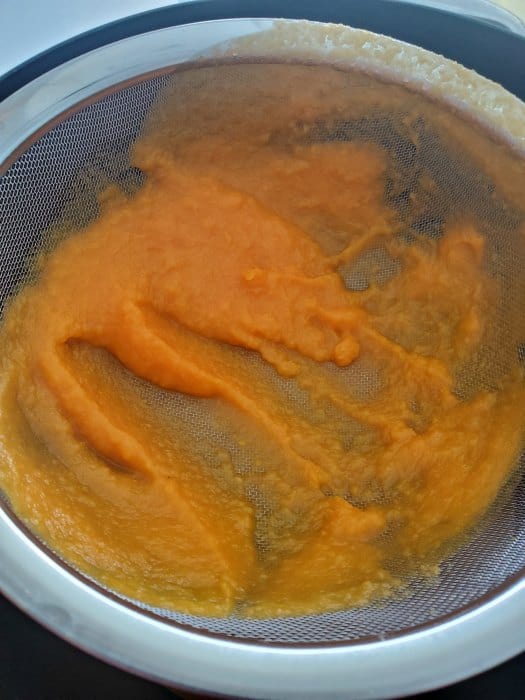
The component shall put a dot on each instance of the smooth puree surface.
(202, 409)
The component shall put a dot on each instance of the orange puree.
(199, 413)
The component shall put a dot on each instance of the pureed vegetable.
(213, 303)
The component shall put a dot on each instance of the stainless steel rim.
(100, 624)
(164, 652)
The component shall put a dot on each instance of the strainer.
(86, 113)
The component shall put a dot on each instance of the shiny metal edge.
(168, 654)
(24, 113)
(119, 634)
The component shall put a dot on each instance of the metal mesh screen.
(53, 187)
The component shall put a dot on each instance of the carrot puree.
(197, 411)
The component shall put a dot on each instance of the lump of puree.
(200, 409)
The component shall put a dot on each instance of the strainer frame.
(442, 652)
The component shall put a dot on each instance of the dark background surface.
(35, 664)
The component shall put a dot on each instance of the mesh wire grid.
(67, 166)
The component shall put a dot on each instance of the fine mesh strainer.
(82, 119)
